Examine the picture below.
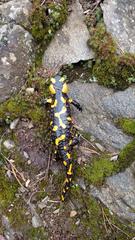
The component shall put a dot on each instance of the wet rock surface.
(119, 17)
(70, 43)
(100, 107)
(118, 193)
(16, 47)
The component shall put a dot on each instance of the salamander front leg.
(75, 103)
(75, 141)
(45, 102)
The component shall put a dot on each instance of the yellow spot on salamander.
(65, 163)
(62, 198)
(65, 147)
(49, 100)
(53, 80)
(69, 118)
(55, 104)
(55, 128)
(57, 140)
(58, 115)
(66, 181)
(68, 155)
(70, 142)
(64, 191)
(69, 172)
(51, 123)
(51, 89)
(62, 79)
(63, 99)
(70, 100)
(65, 88)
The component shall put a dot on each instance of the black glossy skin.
(61, 126)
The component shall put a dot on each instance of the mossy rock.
(45, 20)
(126, 156)
(111, 69)
(97, 171)
(128, 125)
(8, 190)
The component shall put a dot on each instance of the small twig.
(112, 225)
(92, 10)
(104, 220)
(42, 3)
(90, 150)
(87, 141)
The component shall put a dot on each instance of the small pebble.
(26, 155)
(56, 211)
(30, 125)
(77, 222)
(29, 162)
(43, 203)
(73, 213)
(14, 124)
(114, 158)
(36, 222)
(27, 183)
(92, 139)
(9, 144)
(30, 90)
(81, 183)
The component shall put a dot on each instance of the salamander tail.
(68, 179)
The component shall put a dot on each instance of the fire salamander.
(61, 125)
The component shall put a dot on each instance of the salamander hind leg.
(75, 103)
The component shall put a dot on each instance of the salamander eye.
(65, 88)
(51, 89)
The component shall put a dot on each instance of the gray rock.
(118, 193)
(14, 123)
(121, 104)
(15, 11)
(16, 54)
(96, 117)
(119, 17)
(36, 222)
(70, 43)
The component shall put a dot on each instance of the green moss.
(36, 234)
(111, 69)
(128, 125)
(45, 20)
(98, 170)
(92, 220)
(126, 156)
(17, 215)
(8, 190)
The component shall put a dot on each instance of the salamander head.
(58, 84)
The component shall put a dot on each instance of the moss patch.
(8, 190)
(45, 20)
(111, 69)
(126, 156)
(36, 234)
(128, 125)
(96, 172)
